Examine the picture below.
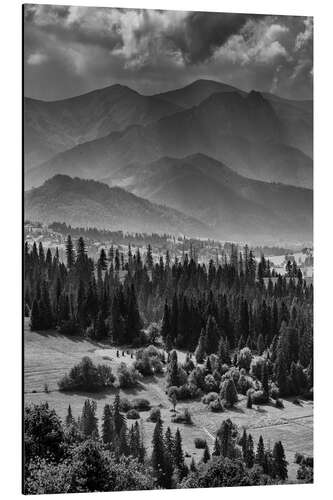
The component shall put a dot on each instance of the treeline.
(81, 456)
(229, 301)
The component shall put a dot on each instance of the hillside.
(88, 203)
(245, 133)
(210, 191)
(52, 127)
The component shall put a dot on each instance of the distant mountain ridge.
(229, 203)
(243, 132)
(87, 203)
(55, 126)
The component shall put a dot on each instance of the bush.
(149, 360)
(256, 366)
(216, 406)
(87, 377)
(245, 358)
(274, 391)
(128, 377)
(185, 392)
(141, 404)
(155, 415)
(208, 398)
(279, 403)
(133, 414)
(259, 398)
(200, 443)
(183, 418)
(125, 405)
(210, 383)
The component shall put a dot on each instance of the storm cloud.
(71, 50)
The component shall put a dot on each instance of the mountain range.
(233, 164)
(88, 203)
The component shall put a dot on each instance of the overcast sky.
(71, 50)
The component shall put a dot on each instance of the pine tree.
(193, 467)
(118, 418)
(217, 448)
(260, 455)
(102, 261)
(280, 463)
(35, 316)
(70, 253)
(149, 259)
(243, 443)
(206, 454)
(178, 456)
(169, 442)
(264, 380)
(107, 425)
(88, 420)
(249, 454)
(173, 377)
(158, 453)
(69, 417)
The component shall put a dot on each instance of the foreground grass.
(48, 356)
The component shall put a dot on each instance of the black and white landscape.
(168, 205)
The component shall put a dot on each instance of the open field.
(48, 356)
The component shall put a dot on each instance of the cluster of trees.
(216, 309)
(80, 456)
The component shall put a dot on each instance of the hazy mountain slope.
(196, 92)
(233, 205)
(296, 116)
(89, 203)
(243, 132)
(52, 127)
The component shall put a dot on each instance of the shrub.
(141, 404)
(183, 418)
(133, 414)
(208, 398)
(274, 391)
(216, 406)
(128, 377)
(279, 403)
(125, 405)
(155, 415)
(200, 443)
(245, 358)
(258, 398)
(188, 391)
(210, 383)
(86, 376)
(256, 366)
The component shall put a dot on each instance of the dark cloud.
(203, 32)
(70, 50)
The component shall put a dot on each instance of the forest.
(242, 335)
